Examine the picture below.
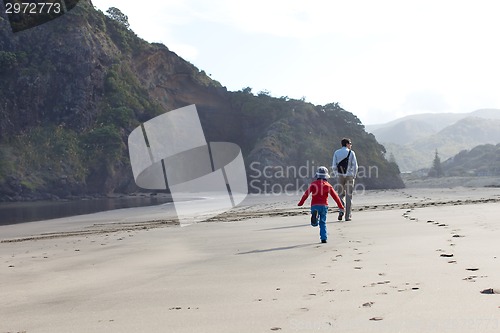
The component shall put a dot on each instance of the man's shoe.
(323, 241)
(341, 215)
(314, 218)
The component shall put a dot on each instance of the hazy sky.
(378, 59)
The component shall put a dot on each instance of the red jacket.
(320, 189)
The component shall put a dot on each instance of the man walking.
(345, 167)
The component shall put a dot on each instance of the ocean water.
(19, 212)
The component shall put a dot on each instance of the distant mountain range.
(483, 160)
(413, 140)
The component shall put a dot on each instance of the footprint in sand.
(490, 291)
(373, 284)
(406, 289)
(309, 296)
(368, 304)
(471, 278)
(416, 287)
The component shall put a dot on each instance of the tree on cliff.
(117, 15)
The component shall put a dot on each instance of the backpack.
(342, 166)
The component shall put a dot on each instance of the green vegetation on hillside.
(71, 92)
(483, 160)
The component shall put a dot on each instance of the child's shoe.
(323, 241)
(314, 218)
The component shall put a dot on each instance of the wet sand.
(413, 260)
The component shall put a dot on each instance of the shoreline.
(410, 183)
(254, 206)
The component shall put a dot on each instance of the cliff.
(72, 89)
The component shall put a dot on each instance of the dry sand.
(414, 260)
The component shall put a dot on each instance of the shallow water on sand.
(19, 212)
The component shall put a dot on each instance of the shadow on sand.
(278, 248)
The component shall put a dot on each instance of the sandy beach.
(411, 260)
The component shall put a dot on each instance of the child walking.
(320, 189)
